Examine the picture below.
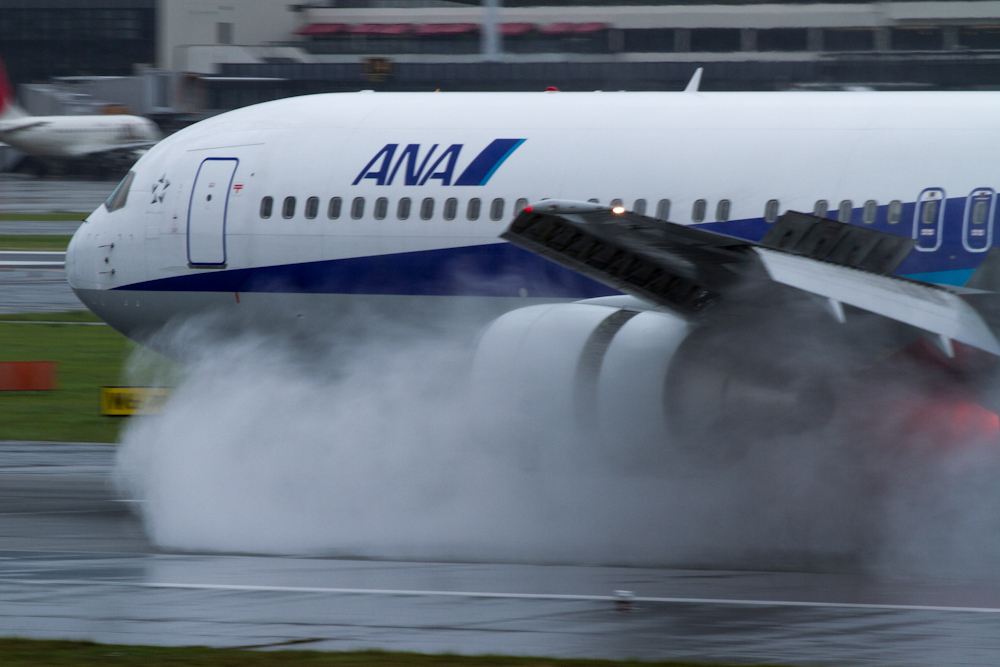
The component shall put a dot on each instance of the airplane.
(688, 259)
(72, 137)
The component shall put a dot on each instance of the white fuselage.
(191, 234)
(77, 136)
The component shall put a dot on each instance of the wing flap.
(685, 270)
(689, 269)
(22, 124)
(832, 241)
(920, 305)
(118, 148)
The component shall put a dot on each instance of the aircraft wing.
(688, 270)
(117, 148)
(21, 124)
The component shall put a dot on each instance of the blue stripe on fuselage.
(495, 269)
(502, 269)
(945, 262)
(484, 165)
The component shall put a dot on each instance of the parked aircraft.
(72, 137)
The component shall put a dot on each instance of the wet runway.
(31, 258)
(75, 563)
(36, 290)
(39, 227)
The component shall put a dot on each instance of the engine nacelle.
(639, 387)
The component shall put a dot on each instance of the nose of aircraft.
(71, 257)
(79, 265)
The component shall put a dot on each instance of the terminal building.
(41, 39)
(221, 54)
(407, 46)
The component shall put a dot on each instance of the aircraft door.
(977, 227)
(928, 219)
(206, 233)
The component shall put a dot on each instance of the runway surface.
(75, 563)
(20, 193)
(39, 227)
(36, 290)
(32, 258)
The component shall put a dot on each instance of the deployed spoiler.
(688, 269)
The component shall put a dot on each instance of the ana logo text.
(416, 167)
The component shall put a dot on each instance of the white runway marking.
(506, 596)
(42, 259)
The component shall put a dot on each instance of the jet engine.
(641, 386)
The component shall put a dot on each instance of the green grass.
(33, 242)
(44, 217)
(23, 652)
(87, 357)
(68, 316)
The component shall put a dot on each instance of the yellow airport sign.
(128, 401)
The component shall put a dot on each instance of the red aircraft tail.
(6, 91)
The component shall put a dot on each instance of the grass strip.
(21, 652)
(43, 217)
(68, 316)
(34, 242)
(88, 357)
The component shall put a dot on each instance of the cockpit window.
(120, 194)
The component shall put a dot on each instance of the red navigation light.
(551, 89)
(528, 209)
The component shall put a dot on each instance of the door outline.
(966, 220)
(225, 212)
(938, 195)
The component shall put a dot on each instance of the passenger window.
(520, 205)
(722, 210)
(450, 208)
(771, 210)
(358, 208)
(894, 212)
(427, 208)
(844, 210)
(288, 208)
(119, 195)
(869, 212)
(266, 204)
(403, 209)
(698, 210)
(980, 211)
(312, 207)
(381, 207)
(472, 211)
(663, 210)
(639, 207)
(615, 202)
(820, 209)
(333, 209)
(496, 209)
